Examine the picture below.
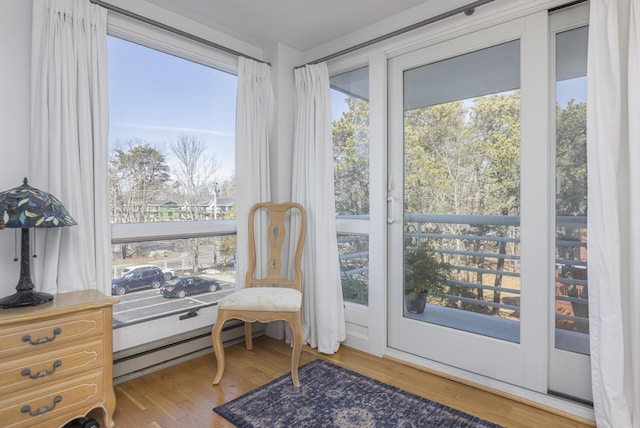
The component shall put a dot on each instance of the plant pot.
(415, 306)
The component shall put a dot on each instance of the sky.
(571, 89)
(338, 104)
(158, 97)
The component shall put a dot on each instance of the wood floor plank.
(183, 396)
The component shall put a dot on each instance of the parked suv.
(149, 277)
(168, 273)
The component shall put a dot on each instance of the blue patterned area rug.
(331, 396)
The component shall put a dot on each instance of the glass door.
(455, 228)
(486, 209)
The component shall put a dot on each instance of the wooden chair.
(272, 297)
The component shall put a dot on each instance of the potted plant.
(423, 274)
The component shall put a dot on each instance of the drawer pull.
(43, 409)
(42, 373)
(27, 337)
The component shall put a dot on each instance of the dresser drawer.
(49, 333)
(50, 366)
(39, 405)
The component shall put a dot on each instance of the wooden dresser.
(56, 361)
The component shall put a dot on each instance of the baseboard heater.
(135, 362)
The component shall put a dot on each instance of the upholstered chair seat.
(263, 299)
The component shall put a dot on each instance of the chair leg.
(296, 327)
(248, 336)
(216, 338)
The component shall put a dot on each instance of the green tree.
(571, 177)
(351, 158)
(437, 165)
(571, 159)
(495, 125)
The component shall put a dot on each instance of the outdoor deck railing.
(484, 253)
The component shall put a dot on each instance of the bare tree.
(195, 184)
(195, 175)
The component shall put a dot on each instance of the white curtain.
(69, 141)
(252, 153)
(613, 141)
(313, 187)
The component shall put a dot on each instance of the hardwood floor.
(182, 396)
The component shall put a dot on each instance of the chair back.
(278, 214)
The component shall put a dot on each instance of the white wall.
(15, 66)
(283, 59)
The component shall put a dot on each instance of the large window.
(171, 180)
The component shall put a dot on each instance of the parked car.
(168, 273)
(180, 287)
(230, 262)
(148, 277)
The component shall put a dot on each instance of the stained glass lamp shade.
(26, 207)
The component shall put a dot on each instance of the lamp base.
(25, 298)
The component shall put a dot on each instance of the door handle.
(389, 210)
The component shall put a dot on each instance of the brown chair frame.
(276, 236)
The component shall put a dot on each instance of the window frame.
(357, 225)
(566, 368)
(364, 323)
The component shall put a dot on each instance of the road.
(145, 305)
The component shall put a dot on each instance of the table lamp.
(26, 207)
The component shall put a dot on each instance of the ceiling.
(299, 24)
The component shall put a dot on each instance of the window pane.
(171, 135)
(353, 251)
(134, 276)
(172, 159)
(571, 290)
(350, 115)
(462, 192)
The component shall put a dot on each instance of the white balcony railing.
(484, 251)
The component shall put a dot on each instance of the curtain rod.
(468, 10)
(173, 30)
(566, 5)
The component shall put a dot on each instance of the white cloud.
(174, 129)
